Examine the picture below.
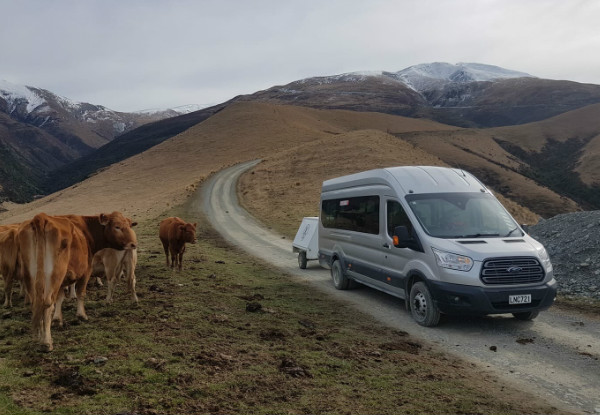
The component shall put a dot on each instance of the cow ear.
(103, 219)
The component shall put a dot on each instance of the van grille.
(513, 270)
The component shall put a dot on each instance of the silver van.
(435, 237)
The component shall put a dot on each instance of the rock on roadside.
(573, 243)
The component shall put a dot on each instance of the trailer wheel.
(422, 306)
(340, 281)
(530, 315)
(302, 261)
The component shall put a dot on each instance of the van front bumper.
(466, 299)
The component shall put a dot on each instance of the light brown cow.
(114, 264)
(174, 233)
(56, 251)
(52, 252)
(8, 259)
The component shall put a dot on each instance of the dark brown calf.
(174, 233)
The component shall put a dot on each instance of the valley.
(538, 169)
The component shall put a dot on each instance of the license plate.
(519, 299)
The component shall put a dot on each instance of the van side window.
(396, 216)
(359, 214)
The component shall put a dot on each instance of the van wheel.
(302, 261)
(530, 315)
(340, 281)
(422, 307)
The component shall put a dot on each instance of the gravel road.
(556, 357)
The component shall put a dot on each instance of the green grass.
(191, 346)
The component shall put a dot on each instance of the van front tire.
(422, 306)
(527, 316)
(340, 281)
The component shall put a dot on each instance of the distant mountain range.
(41, 131)
(465, 95)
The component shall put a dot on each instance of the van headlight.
(452, 261)
(545, 258)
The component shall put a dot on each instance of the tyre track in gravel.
(556, 357)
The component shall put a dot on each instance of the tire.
(529, 315)
(302, 261)
(422, 306)
(340, 281)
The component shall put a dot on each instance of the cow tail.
(39, 250)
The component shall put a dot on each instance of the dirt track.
(556, 357)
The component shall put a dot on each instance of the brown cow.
(8, 259)
(56, 251)
(173, 234)
(114, 263)
(53, 252)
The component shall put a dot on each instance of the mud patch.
(70, 379)
(290, 367)
(405, 346)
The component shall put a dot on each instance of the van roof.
(411, 179)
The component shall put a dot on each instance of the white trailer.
(306, 242)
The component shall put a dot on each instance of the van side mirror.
(401, 237)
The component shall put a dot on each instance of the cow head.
(117, 230)
(188, 231)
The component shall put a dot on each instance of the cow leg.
(46, 338)
(165, 245)
(72, 292)
(8, 282)
(180, 260)
(173, 256)
(131, 282)
(58, 316)
(81, 286)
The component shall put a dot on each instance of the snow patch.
(15, 94)
(429, 75)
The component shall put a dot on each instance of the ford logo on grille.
(514, 270)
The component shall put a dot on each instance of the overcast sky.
(131, 55)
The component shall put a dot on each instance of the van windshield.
(462, 215)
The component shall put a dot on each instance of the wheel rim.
(336, 275)
(419, 305)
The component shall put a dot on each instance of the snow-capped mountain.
(425, 76)
(40, 107)
(462, 94)
(41, 131)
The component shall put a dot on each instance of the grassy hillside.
(123, 147)
(287, 186)
(145, 184)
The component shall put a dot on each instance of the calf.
(174, 233)
(8, 259)
(114, 263)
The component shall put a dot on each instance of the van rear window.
(359, 214)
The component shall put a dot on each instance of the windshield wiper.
(508, 234)
(480, 235)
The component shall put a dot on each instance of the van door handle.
(386, 245)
